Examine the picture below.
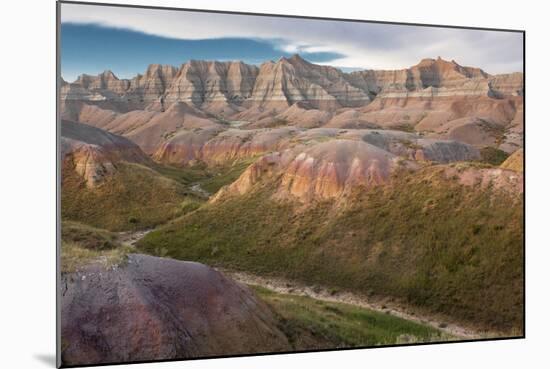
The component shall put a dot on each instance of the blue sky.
(126, 40)
(92, 48)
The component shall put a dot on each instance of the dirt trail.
(382, 305)
(281, 285)
(198, 189)
(130, 238)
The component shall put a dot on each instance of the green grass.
(425, 240)
(138, 197)
(211, 179)
(221, 176)
(406, 127)
(135, 197)
(82, 244)
(183, 175)
(493, 155)
(88, 237)
(74, 256)
(314, 324)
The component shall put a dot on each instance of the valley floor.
(310, 318)
(286, 292)
(451, 330)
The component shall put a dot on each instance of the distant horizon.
(126, 40)
(179, 65)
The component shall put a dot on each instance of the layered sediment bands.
(104, 81)
(218, 147)
(293, 79)
(200, 82)
(325, 163)
(323, 171)
(235, 144)
(150, 308)
(90, 162)
(430, 114)
(149, 87)
(429, 73)
(147, 128)
(439, 98)
(185, 147)
(329, 169)
(93, 153)
(510, 84)
(280, 84)
(301, 114)
(162, 126)
(444, 151)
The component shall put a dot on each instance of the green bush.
(493, 155)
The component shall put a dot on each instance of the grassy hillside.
(211, 179)
(315, 324)
(425, 239)
(81, 244)
(88, 237)
(134, 197)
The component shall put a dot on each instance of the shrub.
(493, 155)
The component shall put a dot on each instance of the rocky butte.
(438, 98)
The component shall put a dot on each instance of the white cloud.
(365, 45)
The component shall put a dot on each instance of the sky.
(126, 40)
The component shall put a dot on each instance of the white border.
(27, 192)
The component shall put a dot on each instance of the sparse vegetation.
(221, 176)
(277, 122)
(82, 244)
(211, 179)
(315, 324)
(88, 237)
(407, 127)
(495, 130)
(74, 256)
(183, 175)
(493, 156)
(410, 144)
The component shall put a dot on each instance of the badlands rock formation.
(292, 80)
(220, 147)
(331, 168)
(153, 308)
(323, 171)
(439, 98)
(327, 163)
(94, 153)
(147, 128)
(215, 85)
